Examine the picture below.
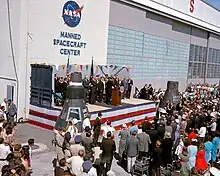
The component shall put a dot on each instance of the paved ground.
(42, 157)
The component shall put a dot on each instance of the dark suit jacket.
(59, 171)
(132, 146)
(108, 147)
(12, 110)
(143, 142)
(88, 144)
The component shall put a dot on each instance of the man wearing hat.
(88, 169)
(77, 146)
(97, 127)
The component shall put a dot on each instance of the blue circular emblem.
(72, 13)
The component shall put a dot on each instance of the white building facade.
(159, 40)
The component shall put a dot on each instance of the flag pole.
(67, 64)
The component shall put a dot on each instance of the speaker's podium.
(116, 99)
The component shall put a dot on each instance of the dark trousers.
(96, 137)
(108, 97)
(100, 96)
(106, 165)
(86, 94)
(128, 93)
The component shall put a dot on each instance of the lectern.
(115, 97)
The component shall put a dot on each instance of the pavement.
(43, 156)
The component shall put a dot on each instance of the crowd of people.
(15, 159)
(186, 136)
(97, 88)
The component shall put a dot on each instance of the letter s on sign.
(192, 2)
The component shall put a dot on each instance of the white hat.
(177, 121)
(167, 135)
(214, 171)
(124, 125)
(110, 173)
(184, 116)
(75, 121)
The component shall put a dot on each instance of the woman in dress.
(215, 146)
(123, 134)
(192, 152)
(201, 163)
(177, 132)
(208, 148)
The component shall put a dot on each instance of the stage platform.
(130, 109)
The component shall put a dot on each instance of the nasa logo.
(72, 13)
(192, 8)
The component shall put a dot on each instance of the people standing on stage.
(86, 88)
(97, 127)
(93, 88)
(130, 84)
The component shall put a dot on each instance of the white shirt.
(92, 172)
(202, 132)
(4, 151)
(106, 129)
(213, 126)
(86, 122)
(72, 131)
(75, 164)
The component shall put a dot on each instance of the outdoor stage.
(131, 109)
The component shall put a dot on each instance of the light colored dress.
(215, 146)
(192, 152)
(177, 133)
(208, 149)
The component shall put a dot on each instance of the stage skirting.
(46, 117)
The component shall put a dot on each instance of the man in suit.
(88, 144)
(143, 144)
(130, 84)
(86, 88)
(108, 147)
(97, 127)
(131, 149)
(11, 112)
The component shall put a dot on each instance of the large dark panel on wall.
(171, 94)
(41, 85)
